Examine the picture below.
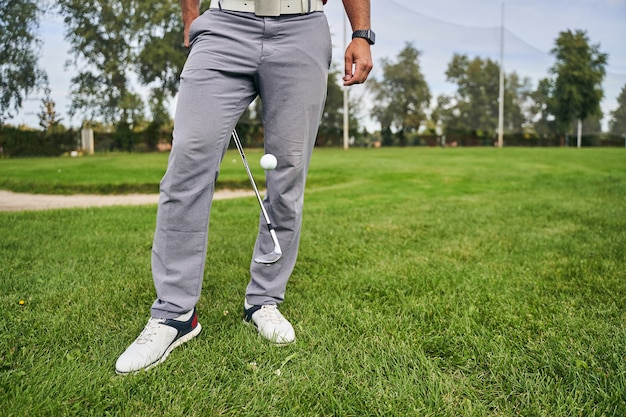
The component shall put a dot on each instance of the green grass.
(431, 282)
(106, 173)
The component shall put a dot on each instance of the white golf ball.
(268, 162)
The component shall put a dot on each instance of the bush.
(26, 143)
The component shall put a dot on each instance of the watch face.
(372, 37)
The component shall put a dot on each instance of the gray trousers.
(234, 57)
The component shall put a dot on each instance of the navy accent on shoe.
(183, 327)
(248, 312)
(270, 323)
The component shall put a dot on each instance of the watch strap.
(365, 34)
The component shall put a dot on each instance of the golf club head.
(275, 255)
(268, 259)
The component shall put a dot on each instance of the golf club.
(275, 255)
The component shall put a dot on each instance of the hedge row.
(25, 143)
(28, 143)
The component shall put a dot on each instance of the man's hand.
(358, 62)
(358, 54)
(190, 11)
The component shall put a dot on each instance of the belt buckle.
(267, 7)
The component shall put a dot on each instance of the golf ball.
(268, 162)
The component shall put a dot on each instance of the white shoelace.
(271, 313)
(149, 331)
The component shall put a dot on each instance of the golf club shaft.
(270, 227)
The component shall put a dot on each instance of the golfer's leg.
(292, 84)
(213, 93)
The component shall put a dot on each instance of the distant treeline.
(15, 143)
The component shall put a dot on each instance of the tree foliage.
(402, 97)
(476, 106)
(162, 55)
(517, 102)
(20, 45)
(579, 71)
(542, 109)
(617, 124)
(115, 40)
(48, 117)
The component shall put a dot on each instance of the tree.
(517, 98)
(250, 124)
(402, 97)
(579, 71)
(20, 73)
(48, 118)
(162, 55)
(154, 133)
(474, 106)
(617, 124)
(542, 109)
(101, 33)
(331, 127)
(439, 112)
(114, 39)
(592, 125)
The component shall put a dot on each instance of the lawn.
(430, 282)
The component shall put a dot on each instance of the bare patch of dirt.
(10, 201)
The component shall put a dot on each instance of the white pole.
(580, 132)
(346, 109)
(501, 96)
(86, 139)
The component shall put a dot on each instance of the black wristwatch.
(368, 35)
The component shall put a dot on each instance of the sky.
(438, 30)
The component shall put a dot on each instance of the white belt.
(286, 6)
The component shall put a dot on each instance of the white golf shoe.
(156, 342)
(270, 323)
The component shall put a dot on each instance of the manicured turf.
(430, 282)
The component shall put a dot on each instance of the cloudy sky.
(438, 29)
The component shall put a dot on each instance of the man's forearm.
(358, 12)
(190, 10)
